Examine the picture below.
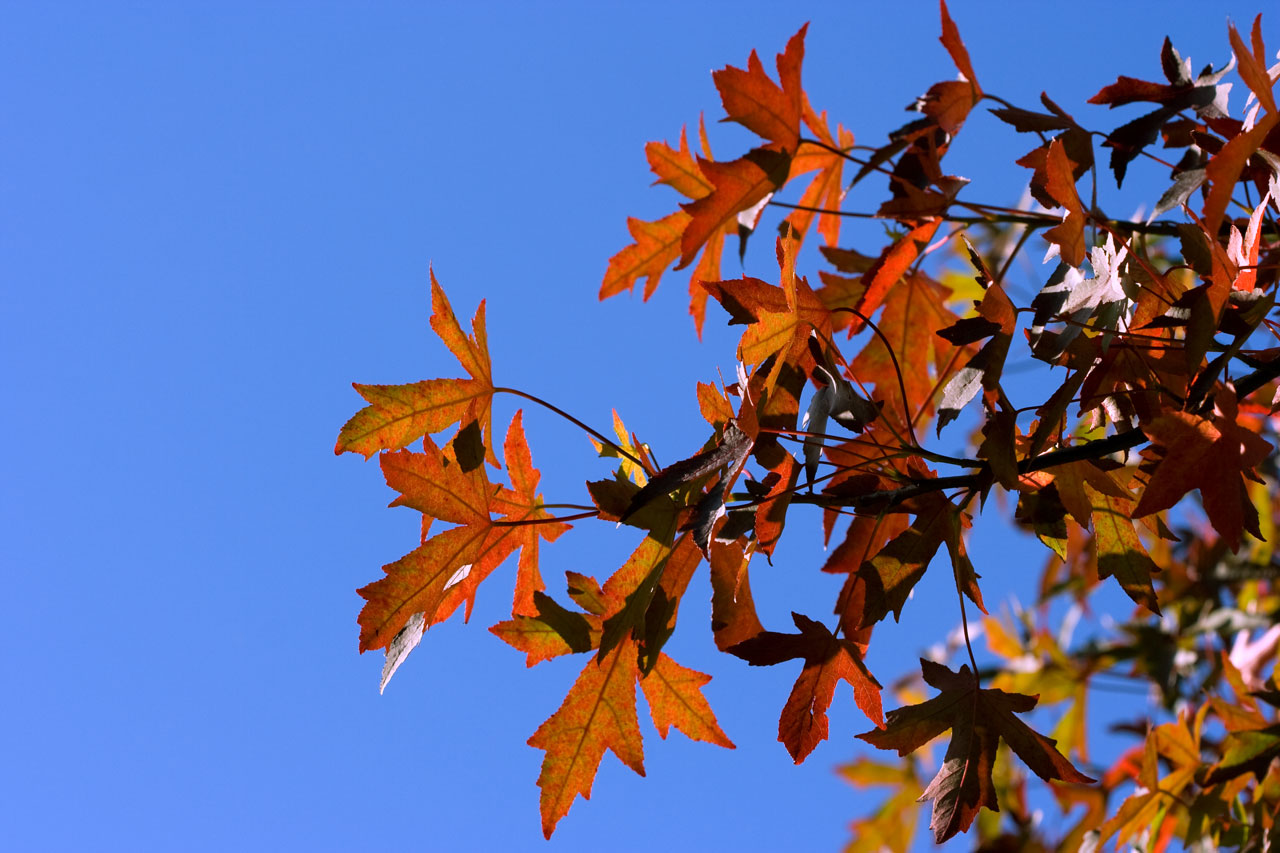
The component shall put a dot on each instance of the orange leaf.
(826, 190)
(447, 569)
(656, 246)
(598, 714)
(1224, 169)
(400, 414)
(472, 351)
(428, 483)
(950, 39)
(914, 313)
(892, 265)
(675, 699)
(771, 514)
(538, 640)
(678, 169)
(1253, 66)
(757, 103)
(782, 321)
(522, 504)
(416, 583)
(1060, 183)
(739, 184)
(733, 611)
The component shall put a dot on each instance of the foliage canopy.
(1148, 457)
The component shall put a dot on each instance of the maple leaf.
(1067, 238)
(786, 330)
(644, 594)
(675, 698)
(894, 571)
(656, 247)
(914, 313)
(599, 713)
(739, 185)
(1203, 94)
(1181, 747)
(677, 168)
(447, 569)
(978, 719)
(1119, 550)
(984, 369)
(827, 661)
(401, 414)
(657, 244)
(951, 40)
(771, 514)
(826, 190)
(1224, 168)
(733, 611)
(760, 105)
(1253, 65)
(1223, 452)
(553, 632)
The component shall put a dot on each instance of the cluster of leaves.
(1160, 361)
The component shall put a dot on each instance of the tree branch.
(883, 499)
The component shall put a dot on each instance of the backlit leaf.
(598, 714)
(675, 698)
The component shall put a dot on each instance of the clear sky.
(215, 216)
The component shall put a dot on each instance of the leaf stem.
(902, 385)
(562, 413)
(525, 522)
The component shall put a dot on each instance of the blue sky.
(218, 216)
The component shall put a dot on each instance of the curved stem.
(902, 386)
(562, 413)
(526, 522)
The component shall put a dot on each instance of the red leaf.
(827, 661)
(733, 612)
(893, 572)
(950, 39)
(1224, 169)
(1253, 66)
(771, 514)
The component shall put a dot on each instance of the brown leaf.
(978, 720)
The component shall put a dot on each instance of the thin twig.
(562, 413)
